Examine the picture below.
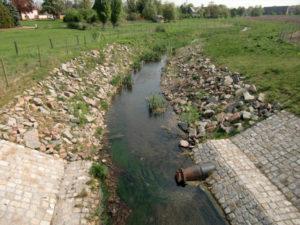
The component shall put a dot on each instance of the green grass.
(156, 103)
(79, 109)
(190, 115)
(258, 53)
(261, 56)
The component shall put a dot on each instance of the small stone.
(184, 144)
(208, 113)
(31, 139)
(248, 97)
(234, 117)
(261, 97)
(192, 132)
(37, 101)
(183, 126)
(228, 81)
(12, 122)
(238, 126)
(246, 115)
(240, 92)
(68, 134)
(252, 88)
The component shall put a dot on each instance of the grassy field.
(271, 63)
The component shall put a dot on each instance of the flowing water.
(145, 148)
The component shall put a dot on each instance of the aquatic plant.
(156, 103)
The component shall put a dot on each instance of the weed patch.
(156, 103)
(190, 115)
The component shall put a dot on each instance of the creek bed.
(145, 148)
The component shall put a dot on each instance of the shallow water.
(145, 148)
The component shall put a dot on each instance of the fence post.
(51, 44)
(67, 47)
(4, 72)
(39, 54)
(16, 47)
(84, 39)
(77, 38)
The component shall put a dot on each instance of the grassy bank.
(271, 63)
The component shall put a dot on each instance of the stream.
(145, 148)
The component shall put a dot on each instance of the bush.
(169, 11)
(99, 171)
(89, 15)
(72, 15)
(160, 29)
(6, 20)
(133, 16)
(156, 103)
(78, 26)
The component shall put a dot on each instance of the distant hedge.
(79, 19)
(6, 20)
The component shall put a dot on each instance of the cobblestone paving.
(76, 201)
(274, 147)
(246, 195)
(29, 184)
(39, 189)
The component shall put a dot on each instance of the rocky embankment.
(211, 100)
(63, 115)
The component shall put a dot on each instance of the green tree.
(233, 12)
(102, 8)
(255, 11)
(140, 5)
(6, 20)
(13, 12)
(149, 11)
(116, 8)
(169, 11)
(53, 7)
(85, 4)
(241, 11)
(297, 10)
(131, 6)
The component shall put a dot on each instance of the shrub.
(156, 103)
(78, 26)
(99, 171)
(169, 11)
(133, 16)
(191, 115)
(160, 29)
(89, 15)
(6, 20)
(73, 15)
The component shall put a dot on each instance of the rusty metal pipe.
(193, 173)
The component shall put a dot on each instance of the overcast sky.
(234, 3)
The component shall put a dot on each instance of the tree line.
(80, 14)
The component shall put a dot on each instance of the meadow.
(262, 53)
